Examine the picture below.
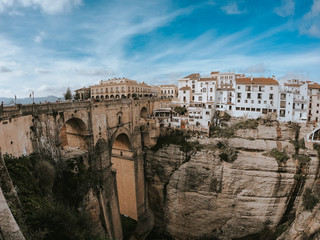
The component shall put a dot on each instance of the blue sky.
(46, 46)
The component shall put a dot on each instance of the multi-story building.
(198, 94)
(255, 97)
(314, 102)
(120, 88)
(168, 91)
(225, 97)
(82, 93)
(293, 101)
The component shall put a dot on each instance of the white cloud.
(40, 37)
(286, 9)
(310, 23)
(256, 68)
(232, 8)
(47, 6)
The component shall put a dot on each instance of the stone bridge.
(110, 132)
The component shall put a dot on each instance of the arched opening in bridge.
(111, 96)
(117, 96)
(123, 96)
(97, 97)
(129, 96)
(107, 97)
(74, 134)
(144, 112)
(123, 162)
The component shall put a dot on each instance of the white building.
(314, 102)
(225, 97)
(198, 95)
(168, 91)
(256, 97)
(293, 104)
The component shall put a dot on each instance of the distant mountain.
(10, 101)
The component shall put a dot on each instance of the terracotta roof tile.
(257, 81)
(314, 86)
(185, 88)
(193, 76)
(292, 85)
(216, 72)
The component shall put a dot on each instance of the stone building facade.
(120, 88)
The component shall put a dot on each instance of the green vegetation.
(227, 153)
(50, 198)
(248, 124)
(222, 130)
(219, 132)
(68, 94)
(180, 110)
(298, 144)
(316, 147)
(279, 156)
(309, 199)
(302, 158)
(180, 138)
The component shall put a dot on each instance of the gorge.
(258, 181)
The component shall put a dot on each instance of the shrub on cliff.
(279, 156)
(47, 218)
(227, 153)
(302, 158)
(248, 124)
(180, 138)
(309, 200)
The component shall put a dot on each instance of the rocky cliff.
(197, 195)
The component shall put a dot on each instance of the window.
(200, 99)
(211, 98)
(204, 90)
(271, 88)
(247, 109)
(192, 98)
(245, 101)
(259, 95)
(282, 113)
(184, 91)
(271, 96)
(261, 88)
(211, 90)
(193, 91)
(184, 99)
(264, 102)
(238, 95)
(248, 95)
(106, 90)
(207, 113)
(302, 106)
(259, 102)
(283, 96)
(242, 109)
(237, 108)
(239, 101)
(252, 101)
(238, 87)
(294, 106)
(193, 86)
(271, 103)
(248, 88)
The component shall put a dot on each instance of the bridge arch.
(143, 112)
(314, 136)
(123, 162)
(74, 134)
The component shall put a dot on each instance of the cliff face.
(198, 196)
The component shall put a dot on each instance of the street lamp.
(32, 95)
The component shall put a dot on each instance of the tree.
(68, 94)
